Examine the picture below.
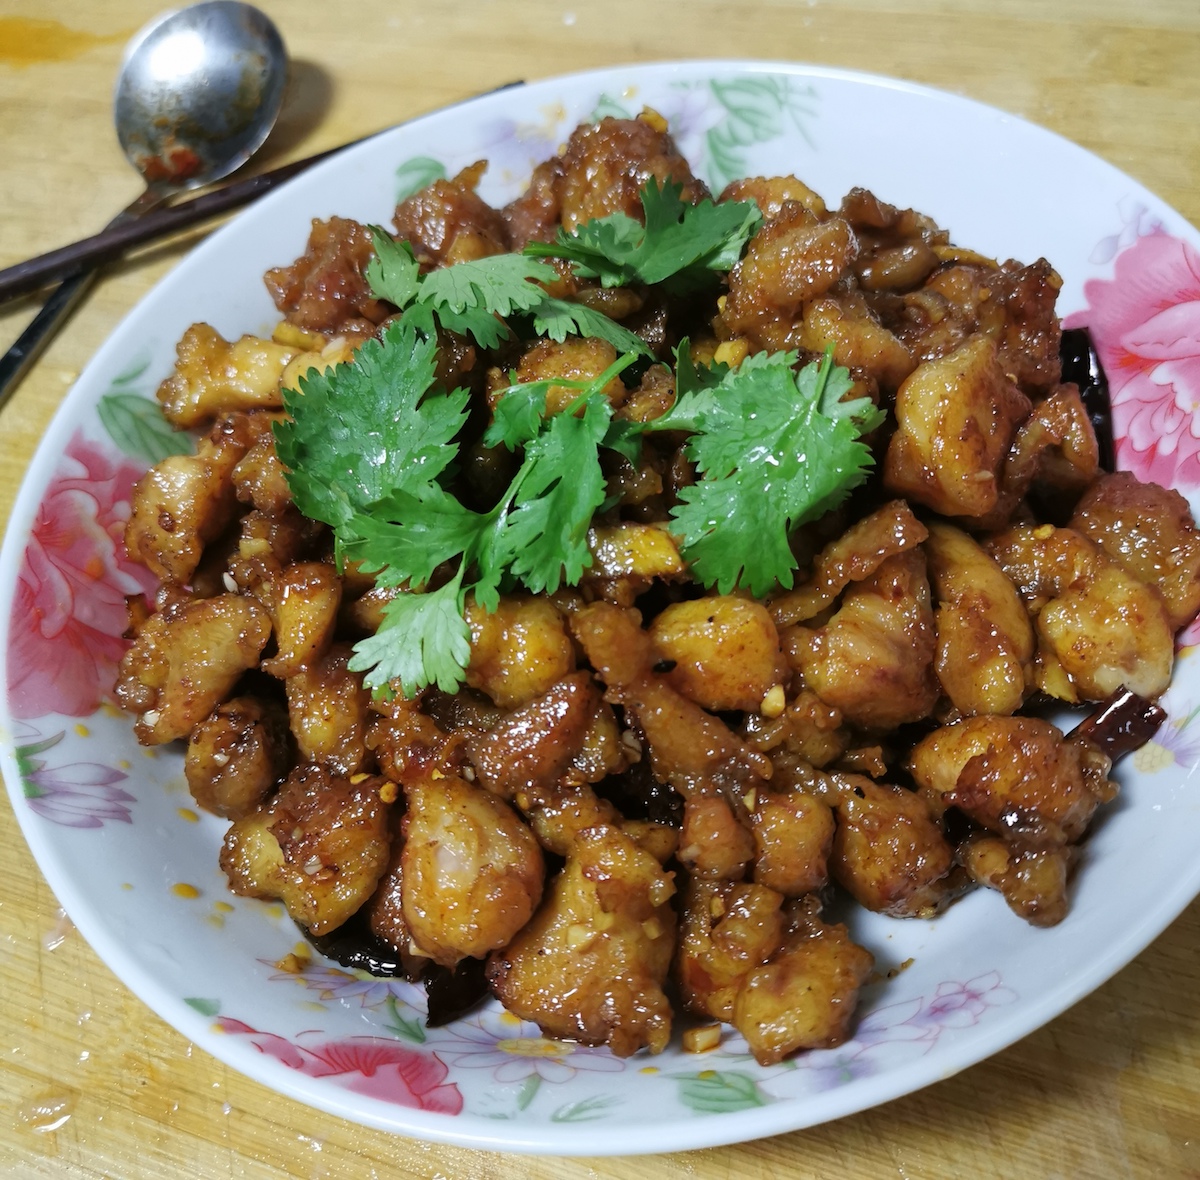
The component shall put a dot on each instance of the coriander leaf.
(406, 536)
(521, 408)
(518, 415)
(422, 640)
(559, 319)
(624, 437)
(500, 284)
(488, 329)
(393, 274)
(560, 486)
(364, 429)
(773, 451)
(680, 245)
(684, 241)
(598, 249)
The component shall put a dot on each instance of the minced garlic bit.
(774, 703)
(703, 1039)
(731, 352)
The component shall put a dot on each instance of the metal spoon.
(198, 93)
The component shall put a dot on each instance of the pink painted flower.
(78, 795)
(372, 1066)
(960, 1005)
(68, 614)
(1145, 321)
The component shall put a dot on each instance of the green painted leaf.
(136, 424)
(407, 1028)
(719, 1092)
(529, 1089)
(757, 110)
(607, 106)
(416, 174)
(135, 370)
(586, 1109)
(203, 1006)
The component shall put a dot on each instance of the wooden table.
(1111, 1088)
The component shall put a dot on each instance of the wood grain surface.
(1110, 1089)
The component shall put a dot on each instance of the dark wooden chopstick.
(113, 241)
(110, 243)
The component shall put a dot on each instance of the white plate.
(115, 832)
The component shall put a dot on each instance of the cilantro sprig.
(369, 446)
(474, 298)
(681, 246)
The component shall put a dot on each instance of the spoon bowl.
(198, 93)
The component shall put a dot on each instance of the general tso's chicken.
(519, 651)
(327, 710)
(1150, 531)
(888, 851)
(531, 748)
(1016, 776)
(955, 419)
(726, 930)
(213, 376)
(582, 358)
(1032, 880)
(1099, 627)
(690, 749)
(793, 838)
(860, 342)
(808, 729)
(304, 602)
(236, 755)
(185, 660)
(805, 997)
(447, 222)
(770, 193)
(384, 910)
(794, 258)
(873, 660)
(320, 845)
(628, 558)
(259, 479)
(592, 962)
(472, 871)
(714, 843)
(326, 286)
(850, 557)
(186, 501)
(722, 651)
(985, 643)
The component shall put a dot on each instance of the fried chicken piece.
(805, 997)
(472, 871)
(326, 287)
(889, 852)
(1150, 531)
(955, 419)
(1099, 627)
(448, 222)
(236, 755)
(320, 846)
(727, 929)
(1032, 880)
(723, 651)
(1016, 776)
(327, 710)
(519, 651)
(591, 964)
(793, 837)
(185, 660)
(985, 643)
(873, 660)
